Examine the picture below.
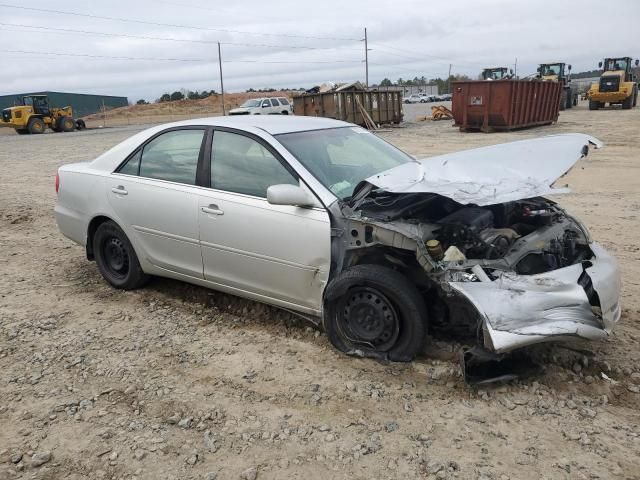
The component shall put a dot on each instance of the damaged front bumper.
(520, 310)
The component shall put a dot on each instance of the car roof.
(272, 124)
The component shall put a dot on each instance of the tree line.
(442, 83)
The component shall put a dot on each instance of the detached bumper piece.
(581, 300)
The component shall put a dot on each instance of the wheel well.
(91, 231)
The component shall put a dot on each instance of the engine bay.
(536, 234)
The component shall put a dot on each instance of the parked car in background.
(413, 98)
(264, 106)
(326, 219)
(427, 97)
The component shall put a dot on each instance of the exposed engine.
(535, 234)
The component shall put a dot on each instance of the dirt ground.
(179, 382)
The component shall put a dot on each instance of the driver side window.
(240, 164)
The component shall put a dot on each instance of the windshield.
(251, 103)
(550, 70)
(340, 158)
(617, 64)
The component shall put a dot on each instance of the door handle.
(120, 190)
(212, 209)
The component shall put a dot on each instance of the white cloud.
(407, 38)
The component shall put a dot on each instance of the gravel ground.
(179, 382)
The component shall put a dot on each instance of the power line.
(169, 39)
(86, 55)
(158, 24)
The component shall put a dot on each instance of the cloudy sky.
(142, 48)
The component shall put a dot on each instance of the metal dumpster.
(383, 105)
(505, 104)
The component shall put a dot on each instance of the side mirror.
(599, 64)
(285, 194)
(569, 67)
(637, 62)
(511, 71)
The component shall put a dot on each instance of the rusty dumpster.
(384, 106)
(505, 104)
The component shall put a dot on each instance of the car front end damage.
(514, 273)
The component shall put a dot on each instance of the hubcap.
(368, 317)
(115, 256)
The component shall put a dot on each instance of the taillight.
(57, 182)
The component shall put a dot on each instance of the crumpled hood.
(490, 175)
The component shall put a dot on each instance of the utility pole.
(366, 58)
(221, 82)
(449, 80)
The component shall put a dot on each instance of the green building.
(82, 104)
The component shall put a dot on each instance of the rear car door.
(275, 105)
(276, 253)
(154, 195)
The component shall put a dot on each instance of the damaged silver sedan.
(325, 219)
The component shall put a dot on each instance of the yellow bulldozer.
(617, 85)
(555, 72)
(35, 115)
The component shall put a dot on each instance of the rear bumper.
(520, 310)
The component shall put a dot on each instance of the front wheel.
(374, 311)
(36, 125)
(116, 258)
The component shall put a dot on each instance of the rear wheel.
(66, 124)
(116, 258)
(593, 105)
(635, 95)
(80, 125)
(374, 311)
(284, 112)
(36, 125)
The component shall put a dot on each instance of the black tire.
(80, 125)
(284, 112)
(563, 100)
(36, 126)
(66, 124)
(22, 131)
(593, 105)
(374, 311)
(116, 258)
(635, 95)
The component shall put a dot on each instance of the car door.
(276, 253)
(154, 196)
(266, 107)
(275, 106)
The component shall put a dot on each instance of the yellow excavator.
(35, 115)
(555, 72)
(617, 85)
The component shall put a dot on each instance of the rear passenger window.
(274, 102)
(132, 166)
(239, 164)
(172, 156)
(284, 101)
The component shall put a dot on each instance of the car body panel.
(493, 174)
(521, 310)
(278, 251)
(163, 218)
